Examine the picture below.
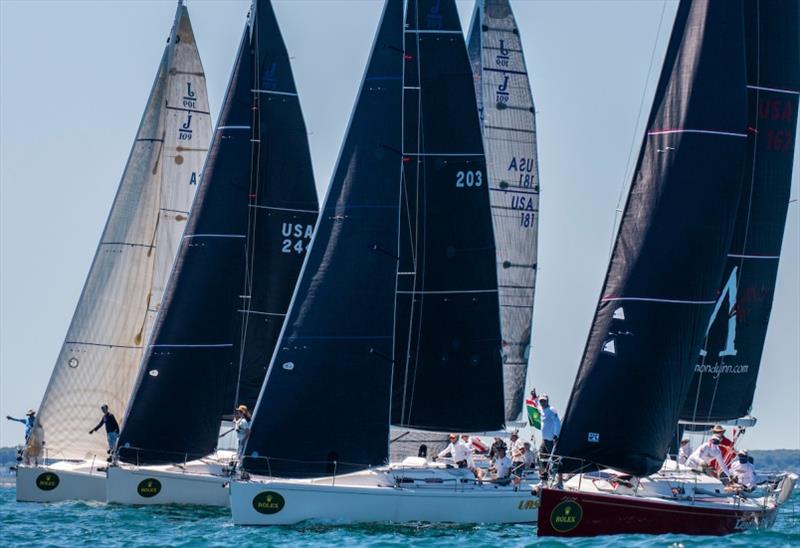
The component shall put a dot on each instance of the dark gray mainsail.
(333, 364)
(727, 370)
(447, 334)
(508, 117)
(239, 261)
(669, 254)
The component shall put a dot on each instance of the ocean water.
(73, 524)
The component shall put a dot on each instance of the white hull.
(377, 496)
(61, 481)
(202, 482)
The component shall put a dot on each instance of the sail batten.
(242, 250)
(123, 290)
(669, 253)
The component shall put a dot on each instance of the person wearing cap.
(514, 444)
(743, 471)
(241, 424)
(551, 425)
(112, 427)
(725, 446)
(501, 469)
(498, 443)
(458, 451)
(709, 451)
(28, 421)
(684, 451)
(523, 459)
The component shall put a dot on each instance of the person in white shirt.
(703, 455)
(523, 459)
(514, 443)
(684, 451)
(459, 452)
(743, 471)
(551, 424)
(241, 424)
(502, 467)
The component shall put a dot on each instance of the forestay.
(333, 364)
(124, 288)
(726, 371)
(448, 368)
(669, 255)
(503, 92)
(237, 265)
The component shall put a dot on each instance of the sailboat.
(508, 122)
(227, 296)
(699, 157)
(123, 291)
(395, 319)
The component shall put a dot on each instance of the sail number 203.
(469, 179)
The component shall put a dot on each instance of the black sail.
(726, 372)
(332, 367)
(669, 254)
(448, 367)
(234, 274)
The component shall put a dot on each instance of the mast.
(668, 258)
(727, 369)
(123, 291)
(333, 363)
(238, 262)
(508, 117)
(448, 370)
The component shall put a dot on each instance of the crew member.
(112, 427)
(743, 471)
(703, 455)
(28, 421)
(684, 451)
(458, 451)
(241, 424)
(501, 469)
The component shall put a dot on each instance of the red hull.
(577, 514)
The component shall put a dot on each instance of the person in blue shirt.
(28, 421)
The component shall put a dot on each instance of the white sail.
(100, 357)
(509, 131)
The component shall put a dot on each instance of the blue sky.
(74, 77)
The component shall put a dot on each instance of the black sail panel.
(332, 367)
(669, 254)
(448, 328)
(283, 205)
(234, 272)
(726, 371)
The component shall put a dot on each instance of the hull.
(580, 514)
(198, 483)
(368, 497)
(61, 481)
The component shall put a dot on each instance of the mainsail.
(333, 364)
(448, 367)
(669, 254)
(726, 372)
(239, 260)
(505, 102)
(124, 288)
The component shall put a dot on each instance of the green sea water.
(72, 524)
